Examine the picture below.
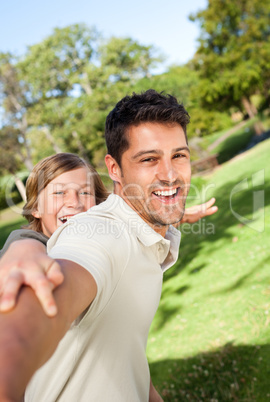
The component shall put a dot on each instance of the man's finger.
(43, 289)
(54, 273)
(11, 290)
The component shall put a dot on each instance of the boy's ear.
(113, 168)
(35, 213)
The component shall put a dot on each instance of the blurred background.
(63, 66)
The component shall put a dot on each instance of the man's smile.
(167, 195)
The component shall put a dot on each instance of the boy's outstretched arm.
(28, 337)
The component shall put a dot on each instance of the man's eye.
(180, 156)
(59, 192)
(149, 160)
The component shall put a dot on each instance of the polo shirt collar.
(166, 248)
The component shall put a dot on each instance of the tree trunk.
(252, 112)
(86, 85)
(21, 187)
(50, 138)
(23, 128)
(26, 160)
(80, 146)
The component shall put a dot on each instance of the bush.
(13, 197)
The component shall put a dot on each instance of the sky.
(161, 23)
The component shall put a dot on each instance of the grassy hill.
(210, 339)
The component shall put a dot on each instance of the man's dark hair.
(149, 106)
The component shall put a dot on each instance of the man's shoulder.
(99, 225)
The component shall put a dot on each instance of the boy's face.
(65, 196)
(155, 172)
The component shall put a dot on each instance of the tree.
(12, 158)
(233, 57)
(74, 78)
(124, 59)
(14, 102)
(58, 94)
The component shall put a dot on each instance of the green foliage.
(13, 198)
(233, 145)
(177, 81)
(233, 58)
(68, 83)
(9, 193)
(10, 161)
(56, 64)
(204, 121)
(57, 96)
(6, 227)
(123, 59)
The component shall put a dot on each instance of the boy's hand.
(197, 212)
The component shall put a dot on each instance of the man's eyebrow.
(149, 151)
(182, 149)
(158, 152)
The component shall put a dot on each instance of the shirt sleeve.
(99, 245)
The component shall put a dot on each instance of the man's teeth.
(166, 193)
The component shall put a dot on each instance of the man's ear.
(113, 168)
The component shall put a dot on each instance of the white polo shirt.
(102, 358)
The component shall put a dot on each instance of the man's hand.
(197, 212)
(27, 263)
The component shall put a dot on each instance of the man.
(112, 259)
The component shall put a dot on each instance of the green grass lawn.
(210, 339)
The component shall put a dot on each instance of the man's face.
(155, 173)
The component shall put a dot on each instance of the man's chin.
(167, 221)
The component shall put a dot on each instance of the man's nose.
(166, 172)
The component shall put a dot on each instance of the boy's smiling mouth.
(65, 218)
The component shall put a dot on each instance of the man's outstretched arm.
(28, 337)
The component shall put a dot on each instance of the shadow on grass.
(241, 282)
(231, 373)
(234, 144)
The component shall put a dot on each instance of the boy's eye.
(85, 193)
